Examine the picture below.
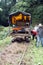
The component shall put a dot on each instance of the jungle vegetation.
(35, 7)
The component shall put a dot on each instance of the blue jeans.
(42, 41)
(39, 40)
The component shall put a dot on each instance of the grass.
(38, 54)
(4, 32)
(4, 38)
(34, 55)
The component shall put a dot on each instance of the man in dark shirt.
(40, 36)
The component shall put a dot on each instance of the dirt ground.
(12, 54)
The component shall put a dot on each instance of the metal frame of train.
(20, 22)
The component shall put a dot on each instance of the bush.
(5, 41)
(4, 38)
(4, 33)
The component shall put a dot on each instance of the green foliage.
(20, 6)
(38, 54)
(33, 6)
(1, 28)
(5, 6)
(4, 38)
(38, 13)
(5, 41)
(4, 32)
(34, 55)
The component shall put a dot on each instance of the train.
(20, 22)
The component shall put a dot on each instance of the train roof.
(20, 12)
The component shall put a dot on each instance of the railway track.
(14, 53)
(23, 56)
(24, 53)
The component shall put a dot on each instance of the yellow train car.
(20, 22)
(19, 19)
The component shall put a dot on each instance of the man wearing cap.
(40, 35)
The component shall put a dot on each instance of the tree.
(5, 5)
(33, 6)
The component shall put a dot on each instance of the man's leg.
(38, 41)
(42, 42)
(33, 37)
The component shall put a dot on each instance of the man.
(40, 35)
(34, 31)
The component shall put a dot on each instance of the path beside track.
(12, 54)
